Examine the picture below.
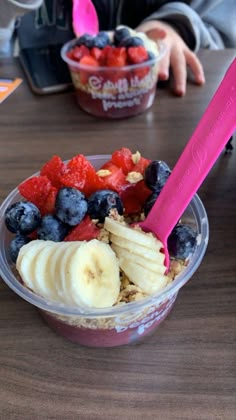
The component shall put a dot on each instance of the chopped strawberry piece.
(88, 60)
(137, 55)
(96, 53)
(78, 52)
(133, 197)
(84, 231)
(36, 189)
(116, 57)
(80, 174)
(54, 169)
(49, 205)
(109, 165)
(104, 53)
(141, 165)
(123, 159)
(115, 181)
(70, 55)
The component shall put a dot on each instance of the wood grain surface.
(187, 368)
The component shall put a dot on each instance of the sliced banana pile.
(75, 273)
(139, 256)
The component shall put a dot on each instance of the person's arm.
(9, 10)
(190, 27)
(202, 24)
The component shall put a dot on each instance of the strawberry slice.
(116, 57)
(90, 61)
(123, 159)
(36, 190)
(133, 197)
(84, 231)
(78, 52)
(48, 207)
(141, 165)
(54, 169)
(115, 180)
(137, 55)
(96, 53)
(80, 174)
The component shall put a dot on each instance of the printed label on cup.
(157, 315)
(122, 93)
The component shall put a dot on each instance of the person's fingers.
(195, 66)
(164, 65)
(151, 30)
(178, 65)
(156, 33)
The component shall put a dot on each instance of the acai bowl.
(114, 74)
(128, 320)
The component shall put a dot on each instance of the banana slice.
(158, 268)
(149, 281)
(131, 234)
(93, 275)
(43, 284)
(63, 285)
(26, 261)
(54, 269)
(130, 246)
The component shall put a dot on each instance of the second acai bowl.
(114, 73)
(70, 246)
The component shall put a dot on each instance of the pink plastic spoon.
(213, 131)
(84, 18)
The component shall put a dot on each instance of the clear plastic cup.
(114, 92)
(122, 324)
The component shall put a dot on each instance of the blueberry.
(52, 229)
(87, 40)
(101, 40)
(22, 217)
(132, 41)
(120, 34)
(182, 241)
(16, 244)
(150, 201)
(71, 206)
(101, 202)
(156, 174)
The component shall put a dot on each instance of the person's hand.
(177, 57)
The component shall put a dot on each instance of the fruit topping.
(71, 206)
(80, 174)
(53, 170)
(125, 47)
(76, 236)
(182, 241)
(120, 33)
(16, 244)
(76, 273)
(22, 217)
(84, 231)
(52, 229)
(149, 203)
(156, 174)
(101, 202)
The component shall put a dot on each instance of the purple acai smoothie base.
(111, 337)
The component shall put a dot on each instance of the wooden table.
(187, 369)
